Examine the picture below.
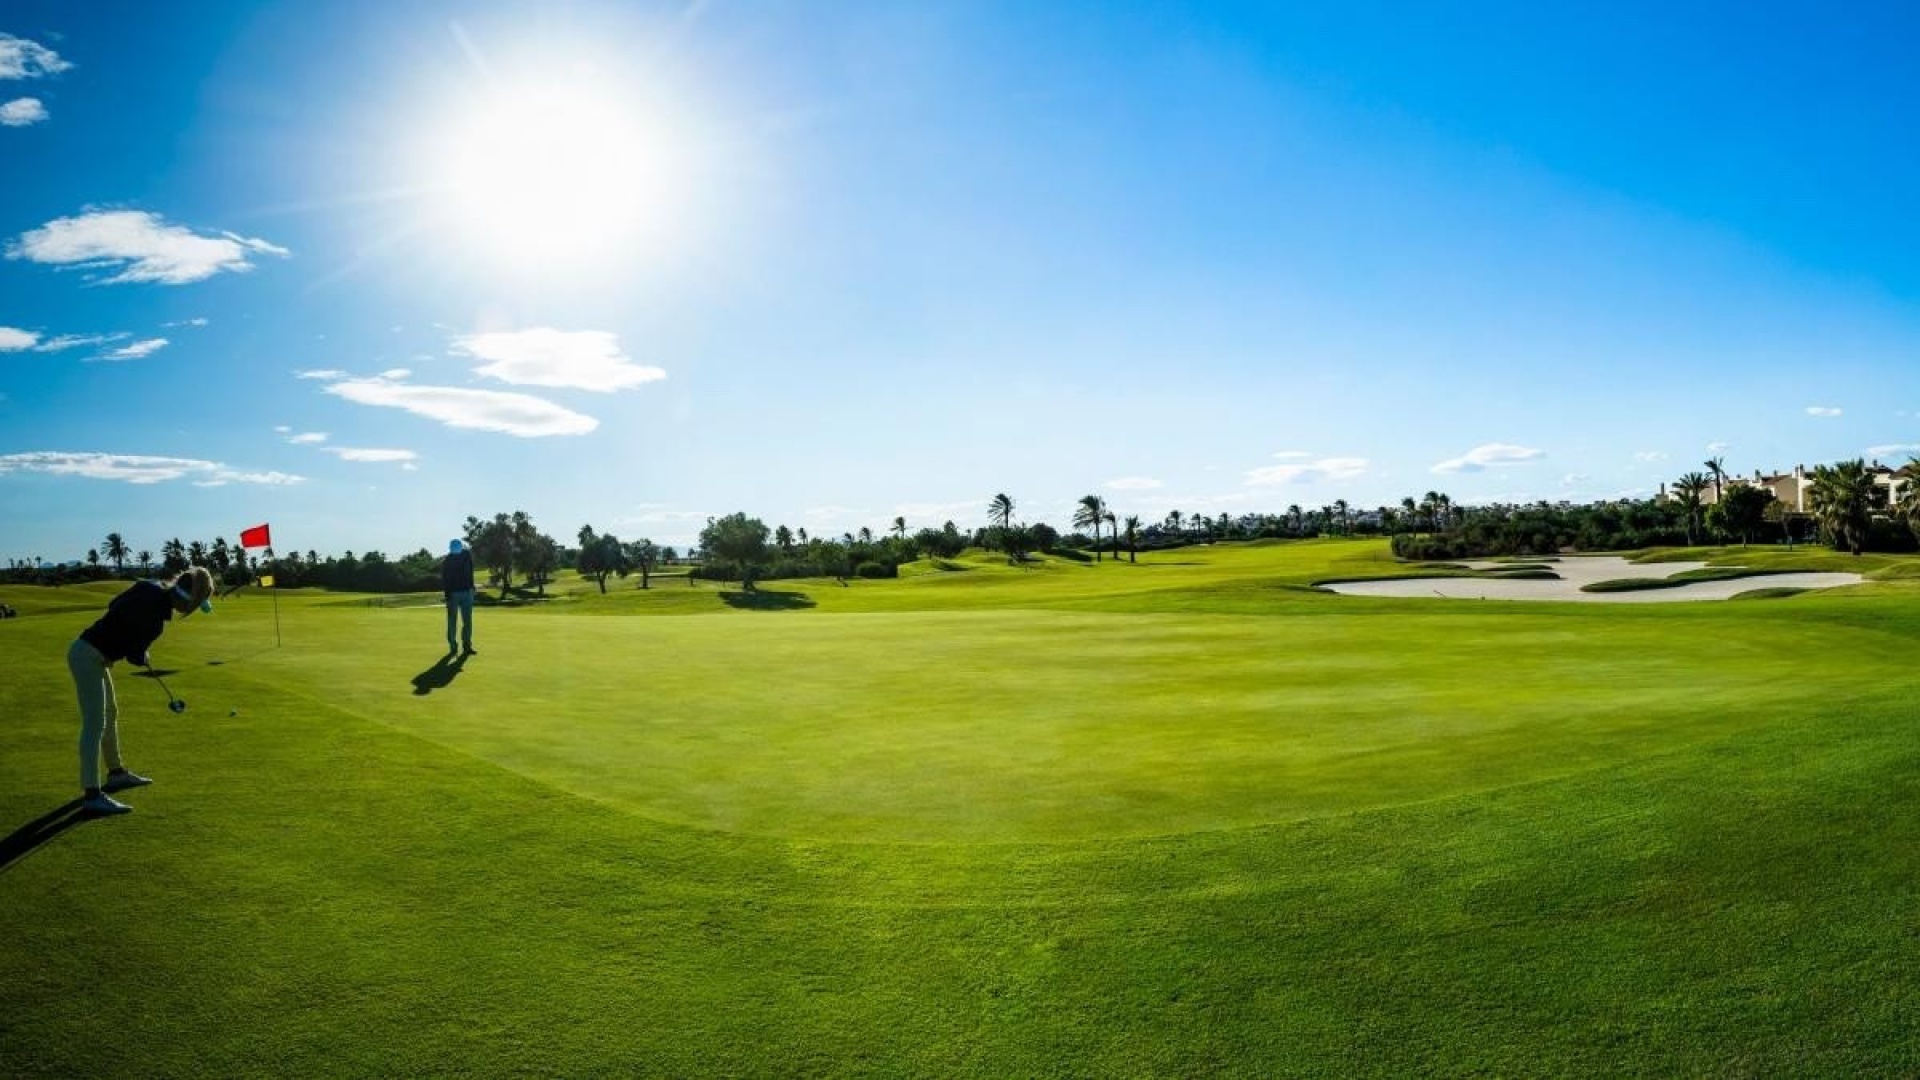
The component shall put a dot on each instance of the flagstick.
(276, 616)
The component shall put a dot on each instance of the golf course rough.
(1176, 817)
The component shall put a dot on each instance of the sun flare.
(549, 175)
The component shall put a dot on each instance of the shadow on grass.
(42, 829)
(220, 661)
(766, 601)
(440, 675)
(155, 673)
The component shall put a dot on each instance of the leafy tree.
(1741, 511)
(1908, 507)
(1843, 502)
(116, 549)
(783, 538)
(492, 544)
(644, 557)
(601, 554)
(739, 542)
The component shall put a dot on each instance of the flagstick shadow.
(440, 675)
(33, 834)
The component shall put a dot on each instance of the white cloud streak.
(1133, 483)
(75, 341)
(481, 410)
(349, 453)
(12, 340)
(307, 438)
(321, 373)
(21, 112)
(140, 246)
(1489, 455)
(1307, 472)
(576, 360)
(23, 59)
(135, 468)
(139, 350)
(1891, 449)
(1822, 410)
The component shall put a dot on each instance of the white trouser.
(93, 680)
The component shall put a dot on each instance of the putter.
(174, 703)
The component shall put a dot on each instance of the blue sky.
(363, 269)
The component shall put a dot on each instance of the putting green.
(1040, 726)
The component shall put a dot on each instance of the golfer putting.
(133, 622)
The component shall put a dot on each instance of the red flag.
(255, 537)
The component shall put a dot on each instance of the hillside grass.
(1176, 817)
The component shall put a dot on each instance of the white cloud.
(139, 350)
(21, 112)
(23, 59)
(12, 340)
(1716, 447)
(481, 410)
(135, 468)
(836, 514)
(395, 373)
(305, 438)
(1308, 472)
(1133, 483)
(1649, 455)
(1489, 455)
(139, 245)
(200, 321)
(1891, 449)
(1574, 479)
(74, 341)
(323, 373)
(579, 360)
(1822, 410)
(348, 453)
(1293, 455)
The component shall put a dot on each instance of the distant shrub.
(875, 570)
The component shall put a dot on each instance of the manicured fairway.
(1177, 817)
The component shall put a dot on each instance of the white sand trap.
(1585, 570)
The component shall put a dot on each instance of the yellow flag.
(266, 581)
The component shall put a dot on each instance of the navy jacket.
(133, 622)
(456, 573)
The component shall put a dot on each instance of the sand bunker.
(1585, 570)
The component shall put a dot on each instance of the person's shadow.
(41, 830)
(440, 675)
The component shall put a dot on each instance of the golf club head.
(177, 705)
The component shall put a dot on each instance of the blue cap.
(453, 546)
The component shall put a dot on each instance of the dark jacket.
(456, 573)
(133, 622)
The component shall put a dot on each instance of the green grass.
(1180, 816)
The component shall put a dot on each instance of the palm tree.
(1717, 468)
(1688, 490)
(866, 535)
(197, 553)
(93, 556)
(116, 549)
(1089, 513)
(1133, 538)
(1115, 530)
(900, 527)
(1340, 507)
(1908, 505)
(1410, 512)
(1843, 498)
(1173, 522)
(145, 558)
(1000, 511)
(173, 554)
(1299, 517)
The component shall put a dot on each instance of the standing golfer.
(456, 581)
(133, 622)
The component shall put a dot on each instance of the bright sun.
(544, 176)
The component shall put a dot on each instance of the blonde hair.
(197, 584)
